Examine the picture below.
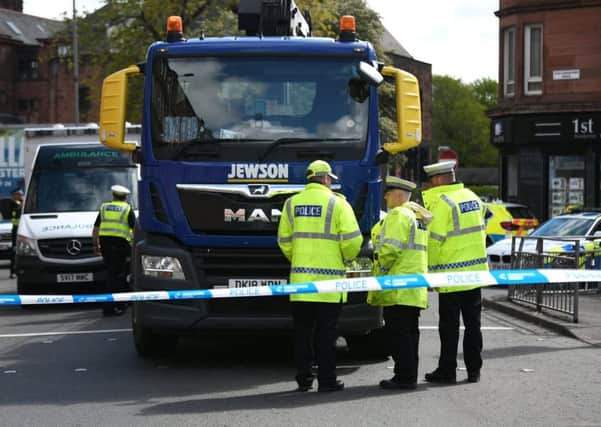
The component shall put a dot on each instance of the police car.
(504, 220)
(581, 224)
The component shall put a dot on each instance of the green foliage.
(485, 90)
(119, 34)
(459, 120)
(488, 192)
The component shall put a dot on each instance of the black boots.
(440, 377)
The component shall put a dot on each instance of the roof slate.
(392, 45)
(32, 29)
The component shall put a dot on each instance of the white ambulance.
(69, 177)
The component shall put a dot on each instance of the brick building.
(547, 124)
(36, 79)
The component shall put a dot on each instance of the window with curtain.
(509, 62)
(533, 59)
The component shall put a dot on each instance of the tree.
(485, 90)
(459, 120)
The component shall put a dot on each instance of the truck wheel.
(21, 290)
(149, 344)
(369, 346)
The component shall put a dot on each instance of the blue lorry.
(229, 126)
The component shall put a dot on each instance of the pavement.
(588, 328)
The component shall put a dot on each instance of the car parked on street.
(505, 219)
(6, 245)
(582, 225)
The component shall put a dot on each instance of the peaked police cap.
(440, 168)
(392, 182)
(319, 168)
(120, 190)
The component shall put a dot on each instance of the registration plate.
(74, 277)
(246, 283)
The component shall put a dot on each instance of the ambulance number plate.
(74, 277)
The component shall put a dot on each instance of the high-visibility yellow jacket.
(400, 248)
(113, 220)
(457, 240)
(317, 232)
(16, 212)
(376, 269)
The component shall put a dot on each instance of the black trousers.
(402, 330)
(315, 325)
(13, 238)
(116, 253)
(450, 305)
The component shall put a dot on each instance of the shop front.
(550, 162)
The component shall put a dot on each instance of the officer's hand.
(97, 250)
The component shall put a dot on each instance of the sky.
(458, 37)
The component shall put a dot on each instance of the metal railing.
(540, 252)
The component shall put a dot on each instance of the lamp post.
(75, 68)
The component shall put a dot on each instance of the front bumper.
(205, 268)
(35, 276)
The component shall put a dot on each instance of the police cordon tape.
(358, 284)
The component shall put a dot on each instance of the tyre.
(370, 346)
(150, 344)
(22, 288)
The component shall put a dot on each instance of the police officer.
(317, 232)
(457, 242)
(112, 235)
(16, 208)
(400, 248)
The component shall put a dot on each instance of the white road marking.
(45, 334)
(108, 331)
(483, 328)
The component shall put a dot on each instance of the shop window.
(509, 62)
(512, 177)
(533, 59)
(566, 183)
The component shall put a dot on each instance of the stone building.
(547, 124)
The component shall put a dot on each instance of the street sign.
(445, 153)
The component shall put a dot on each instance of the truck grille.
(74, 248)
(205, 213)
(6, 237)
(215, 266)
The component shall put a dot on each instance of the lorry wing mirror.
(112, 110)
(382, 157)
(370, 74)
(408, 111)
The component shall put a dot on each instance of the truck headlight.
(359, 267)
(25, 246)
(164, 267)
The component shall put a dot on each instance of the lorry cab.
(67, 184)
(230, 125)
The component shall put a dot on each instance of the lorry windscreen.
(233, 108)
